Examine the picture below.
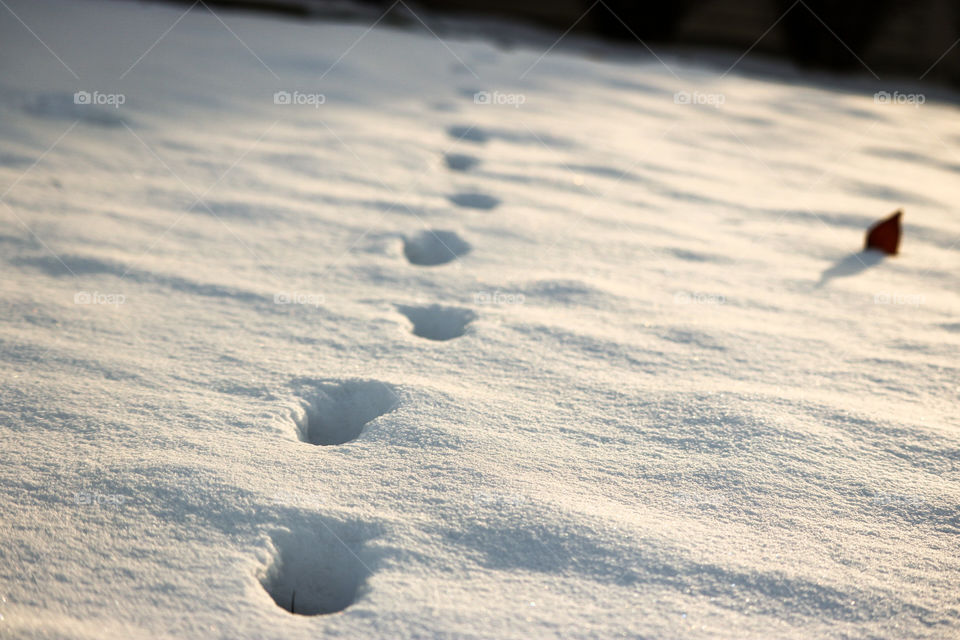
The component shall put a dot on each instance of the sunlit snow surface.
(637, 384)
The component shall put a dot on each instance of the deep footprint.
(336, 413)
(475, 201)
(460, 161)
(434, 247)
(438, 323)
(471, 134)
(316, 572)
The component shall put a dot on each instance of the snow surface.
(639, 384)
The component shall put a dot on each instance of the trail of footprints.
(435, 247)
(320, 571)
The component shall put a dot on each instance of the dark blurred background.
(913, 38)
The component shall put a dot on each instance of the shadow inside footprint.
(315, 572)
(337, 413)
(438, 323)
(433, 247)
(460, 161)
(463, 132)
(475, 201)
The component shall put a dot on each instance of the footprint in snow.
(434, 247)
(317, 571)
(460, 161)
(436, 322)
(470, 134)
(475, 201)
(338, 412)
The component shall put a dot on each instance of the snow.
(637, 382)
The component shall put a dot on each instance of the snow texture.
(301, 338)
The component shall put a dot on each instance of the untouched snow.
(637, 384)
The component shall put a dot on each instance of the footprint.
(475, 201)
(433, 247)
(461, 161)
(470, 134)
(336, 413)
(438, 323)
(317, 571)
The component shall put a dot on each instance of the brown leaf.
(885, 235)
